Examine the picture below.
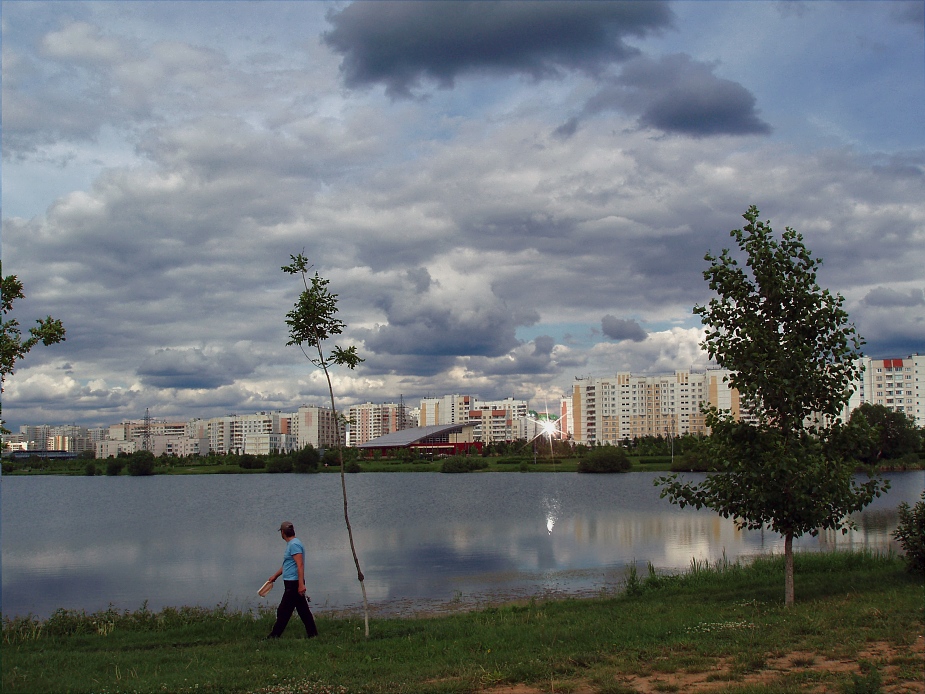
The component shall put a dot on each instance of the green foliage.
(48, 331)
(787, 341)
(141, 464)
(314, 319)
(306, 460)
(114, 466)
(875, 433)
(460, 463)
(605, 459)
(793, 356)
(279, 465)
(353, 466)
(91, 470)
(13, 347)
(911, 535)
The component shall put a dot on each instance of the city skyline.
(505, 196)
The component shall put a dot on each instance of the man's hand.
(301, 588)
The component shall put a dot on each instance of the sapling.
(312, 320)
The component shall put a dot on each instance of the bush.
(114, 466)
(458, 463)
(141, 464)
(91, 470)
(605, 459)
(279, 465)
(250, 462)
(911, 535)
(306, 460)
(509, 461)
(352, 466)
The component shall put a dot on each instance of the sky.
(504, 195)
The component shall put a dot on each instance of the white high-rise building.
(897, 384)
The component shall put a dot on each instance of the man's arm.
(276, 575)
(300, 564)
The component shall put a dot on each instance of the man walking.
(293, 573)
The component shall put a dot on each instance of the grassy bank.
(857, 627)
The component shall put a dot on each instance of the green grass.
(725, 622)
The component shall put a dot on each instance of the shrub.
(911, 535)
(605, 459)
(352, 466)
(250, 462)
(459, 463)
(114, 466)
(279, 465)
(90, 470)
(306, 460)
(141, 464)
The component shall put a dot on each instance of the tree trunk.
(343, 487)
(788, 570)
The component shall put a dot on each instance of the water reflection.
(423, 539)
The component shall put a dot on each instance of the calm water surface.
(424, 539)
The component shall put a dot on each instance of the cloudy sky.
(504, 195)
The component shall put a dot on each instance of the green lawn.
(723, 626)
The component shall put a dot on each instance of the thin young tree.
(311, 321)
(793, 359)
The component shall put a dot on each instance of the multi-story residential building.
(111, 448)
(450, 409)
(497, 420)
(314, 426)
(610, 410)
(898, 384)
(369, 421)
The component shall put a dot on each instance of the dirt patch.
(819, 673)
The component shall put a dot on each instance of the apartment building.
(450, 409)
(626, 406)
(314, 426)
(896, 383)
(497, 420)
(369, 421)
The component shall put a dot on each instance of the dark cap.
(287, 528)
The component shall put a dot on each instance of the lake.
(426, 541)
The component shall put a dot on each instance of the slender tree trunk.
(788, 570)
(343, 487)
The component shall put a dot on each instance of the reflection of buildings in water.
(873, 532)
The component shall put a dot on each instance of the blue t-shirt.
(290, 570)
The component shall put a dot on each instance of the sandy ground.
(720, 676)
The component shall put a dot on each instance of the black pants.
(292, 600)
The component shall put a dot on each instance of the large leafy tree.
(793, 357)
(312, 321)
(13, 347)
(875, 433)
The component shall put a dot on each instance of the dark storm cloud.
(192, 368)
(522, 361)
(677, 94)
(887, 298)
(432, 330)
(620, 329)
(402, 43)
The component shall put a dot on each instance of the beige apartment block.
(498, 420)
(627, 406)
(314, 426)
(369, 421)
(450, 409)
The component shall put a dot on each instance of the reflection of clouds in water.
(420, 537)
